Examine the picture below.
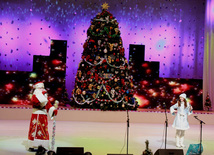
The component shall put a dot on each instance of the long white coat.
(181, 120)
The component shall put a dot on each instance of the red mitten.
(55, 112)
(48, 106)
(44, 92)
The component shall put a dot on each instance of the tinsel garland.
(102, 79)
(100, 62)
(102, 32)
(96, 98)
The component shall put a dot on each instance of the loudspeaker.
(119, 154)
(169, 152)
(70, 151)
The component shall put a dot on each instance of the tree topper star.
(105, 6)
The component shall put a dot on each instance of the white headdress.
(183, 95)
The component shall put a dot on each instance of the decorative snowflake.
(34, 121)
(33, 134)
(39, 133)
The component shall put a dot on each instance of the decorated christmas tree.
(208, 102)
(103, 80)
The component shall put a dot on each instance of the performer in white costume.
(38, 130)
(183, 109)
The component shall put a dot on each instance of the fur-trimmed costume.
(38, 130)
(181, 122)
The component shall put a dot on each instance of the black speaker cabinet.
(119, 154)
(169, 152)
(70, 151)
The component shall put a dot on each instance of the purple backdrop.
(171, 30)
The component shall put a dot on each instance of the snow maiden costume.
(180, 123)
(38, 130)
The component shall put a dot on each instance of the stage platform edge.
(90, 115)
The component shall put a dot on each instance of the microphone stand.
(166, 125)
(127, 132)
(201, 122)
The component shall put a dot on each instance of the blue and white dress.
(181, 121)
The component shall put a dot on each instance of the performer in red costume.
(38, 132)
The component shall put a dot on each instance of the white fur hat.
(183, 95)
(38, 85)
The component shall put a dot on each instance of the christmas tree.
(208, 102)
(103, 80)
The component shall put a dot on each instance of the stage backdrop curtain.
(208, 69)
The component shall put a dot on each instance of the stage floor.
(101, 138)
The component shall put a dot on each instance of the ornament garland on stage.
(38, 131)
(147, 151)
(103, 80)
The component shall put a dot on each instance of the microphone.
(164, 104)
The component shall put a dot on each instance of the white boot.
(182, 142)
(178, 142)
